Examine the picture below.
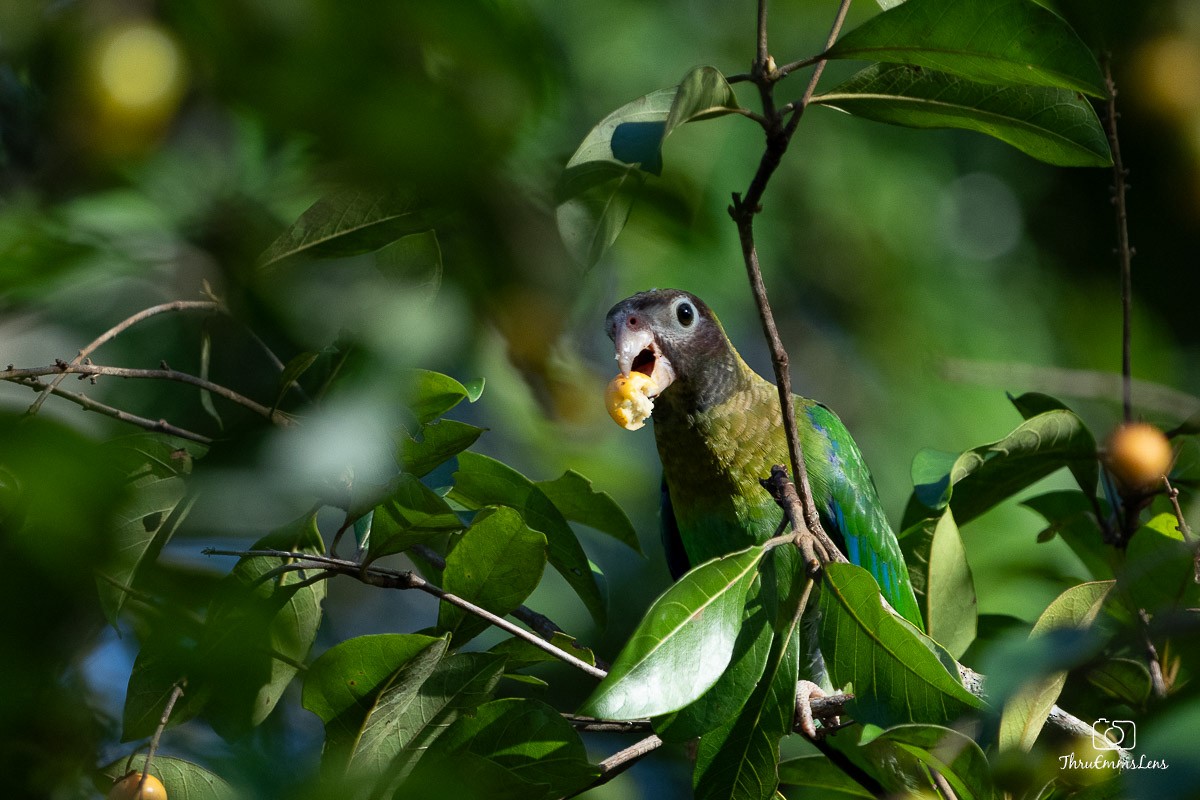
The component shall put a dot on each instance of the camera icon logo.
(1114, 734)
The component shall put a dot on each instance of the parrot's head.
(674, 338)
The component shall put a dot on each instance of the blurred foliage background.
(151, 148)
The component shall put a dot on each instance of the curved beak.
(637, 351)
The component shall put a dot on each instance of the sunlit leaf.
(183, 780)
(895, 677)
(991, 41)
(258, 632)
(574, 496)
(350, 222)
(739, 759)
(731, 691)
(955, 756)
(682, 644)
(1057, 126)
(1158, 573)
(496, 564)
(431, 394)
(1025, 713)
(412, 513)
(982, 477)
(482, 481)
(941, 578)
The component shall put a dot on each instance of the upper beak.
(638, 352)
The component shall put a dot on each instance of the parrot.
(718, 430)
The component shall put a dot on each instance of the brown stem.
(1155, 664)
(176, 693)
(116, 330)
(1124, 251)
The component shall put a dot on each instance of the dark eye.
(685, 314)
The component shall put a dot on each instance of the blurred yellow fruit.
(628, 401)
(1138, 455)
(127, 788)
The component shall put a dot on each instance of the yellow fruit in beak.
(628, 400)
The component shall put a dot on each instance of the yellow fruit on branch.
(1138, 455)
(127, 788)
(629, 400)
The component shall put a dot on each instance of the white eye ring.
(685, 312)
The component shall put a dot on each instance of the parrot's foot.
(806, 692)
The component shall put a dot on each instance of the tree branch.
(176, 693)
(395, 579)
(116, 330)
(63, 368)
(88, 404)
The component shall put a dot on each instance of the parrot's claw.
(806, 692)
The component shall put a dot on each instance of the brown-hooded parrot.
(718, 430)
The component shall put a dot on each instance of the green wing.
(849, 506)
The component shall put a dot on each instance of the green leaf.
(495, 565)
(292, 372)
(729, 694)
(431, 394)
(702, 94)
(941, 578)
(894, 675)
(1071, 518)
(439, 442)
(1122, 678)
(528, 739)
(349, 222)
(258, 632)
(364, 676)
(413, 264)
(1031, 404)
(183, 780)
(815, 777)
(603, 176)
(519, 653)
(682, 644)
(982, 477)
(739, 759)
(1056, 126)
(412, 514)
(206, 401)
(482, 481)
(574, 496)
(162, 661)
(990, 41)
(1158, 573)
(956, 756)
(1025, 713)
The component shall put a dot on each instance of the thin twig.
(617, 763)
(166, 373)
(943, 786)
(88, 404)
(116, 330)
(1184, 529)
(1156, 672)
(395, 579)
(176, 693)
(1124, 251)
(763, 51)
